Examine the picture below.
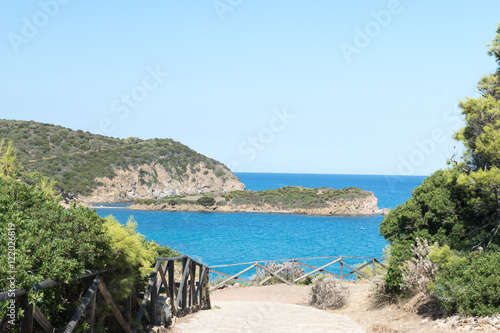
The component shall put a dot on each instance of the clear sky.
(354, 87)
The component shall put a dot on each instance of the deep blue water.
(223, 238)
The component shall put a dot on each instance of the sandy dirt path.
(239, 309)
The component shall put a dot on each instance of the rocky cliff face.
(154, 182)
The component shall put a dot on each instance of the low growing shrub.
(328, 293)
(206, 201)
(471, 288)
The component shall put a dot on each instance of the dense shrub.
(435, 212)
(52, 242)
(206, 201)
(328, 293)
(471, 288)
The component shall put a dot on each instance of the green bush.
(434, 213)
(206, 201)
(54, 243)
(471, 288)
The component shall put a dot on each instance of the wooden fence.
(291, 265)
(185, 296)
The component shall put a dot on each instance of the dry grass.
(329, 293)
(418, 272)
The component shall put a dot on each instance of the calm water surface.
(222, 238)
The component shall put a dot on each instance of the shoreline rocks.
(360, 206)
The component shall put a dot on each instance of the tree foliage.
(54, 243)
(459, 206)
(9, 166)
(206, 201)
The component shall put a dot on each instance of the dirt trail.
(372, 318)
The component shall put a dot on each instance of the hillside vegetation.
(294, 197)
(75, 158)
(285, 198)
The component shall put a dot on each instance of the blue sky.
(359, 87)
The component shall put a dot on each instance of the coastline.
(256, 209)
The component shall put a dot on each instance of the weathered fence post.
(192, 284)
(184, 284)
(154, 300)
(171, 279)
(90, 313)
(374, 269)
(27, 321)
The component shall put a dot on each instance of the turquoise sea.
(224, 238)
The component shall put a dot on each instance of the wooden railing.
(185, 296)
(291, 266)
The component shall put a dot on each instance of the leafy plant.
(54, 243)
(469, 285)
(206, 201)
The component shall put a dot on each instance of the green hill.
(75, 158)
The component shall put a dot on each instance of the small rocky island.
(290, 199)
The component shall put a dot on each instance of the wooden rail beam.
(357, 271)
(270, 272)
(167, 288)
(317, 270)
(275, 273)
(116, 312)
(83, 305)
(309, 266)
(201, 280)
(182, 287)
(233, 276)
(225, 274)
(42, 321)
(151, 283)
(359, 268)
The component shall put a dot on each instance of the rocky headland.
(287, 200)
(155, 182)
